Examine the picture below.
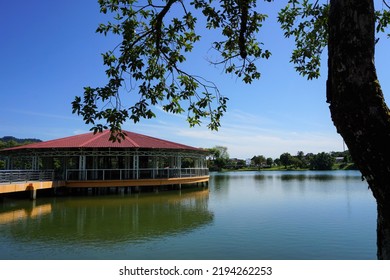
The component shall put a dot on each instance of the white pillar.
(136, 165)
(127, 162)
(8, 163)
(178, 159)
(82, 165)
(155, 166)
(34, 164)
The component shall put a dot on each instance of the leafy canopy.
(156, 37)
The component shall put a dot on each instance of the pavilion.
(92, 160)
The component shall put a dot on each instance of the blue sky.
(49, 51)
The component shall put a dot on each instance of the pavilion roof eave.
(58, 152)
(100, 141)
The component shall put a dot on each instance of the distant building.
(339, 159)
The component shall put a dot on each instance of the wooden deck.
(24, 180)
(34, 186)
(136, 182)
(28, 186)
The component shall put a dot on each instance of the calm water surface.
(243, 215)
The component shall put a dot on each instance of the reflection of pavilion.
(112, 219)
(92, 160)
(23, 214)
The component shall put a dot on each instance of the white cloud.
(245, 134)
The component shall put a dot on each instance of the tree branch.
(244, 20)
(159, 20)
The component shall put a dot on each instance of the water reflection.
(223, 181)
(301, 177)
(24, 214)
(315, 177)
(133, 218)
(243, 215)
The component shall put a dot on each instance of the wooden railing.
(132, 174)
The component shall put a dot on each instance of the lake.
(242, 215)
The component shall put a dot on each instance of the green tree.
(300, 155)
(296, 162)
(322, 161)
(259, 161)
(154, 46)
(277, 162)
(219, 157)
(299, 161)
(285, 159)
(222, 151)
(11, 143)
(213, 153)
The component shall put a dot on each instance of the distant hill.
(19, 140)
(10, 141)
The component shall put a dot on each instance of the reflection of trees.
(130, 218)
(301, 177)
(220, 181)
(314, 177)
(315, 181)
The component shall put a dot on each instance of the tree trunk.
(357, 105)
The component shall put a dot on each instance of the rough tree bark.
(357, 105)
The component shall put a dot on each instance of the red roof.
(101, 140)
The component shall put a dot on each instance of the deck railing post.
(104, 174)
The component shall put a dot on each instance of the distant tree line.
(219, 159)
(10, 141)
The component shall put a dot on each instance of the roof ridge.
(161, 140)
(94, 137)
(127, 137)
